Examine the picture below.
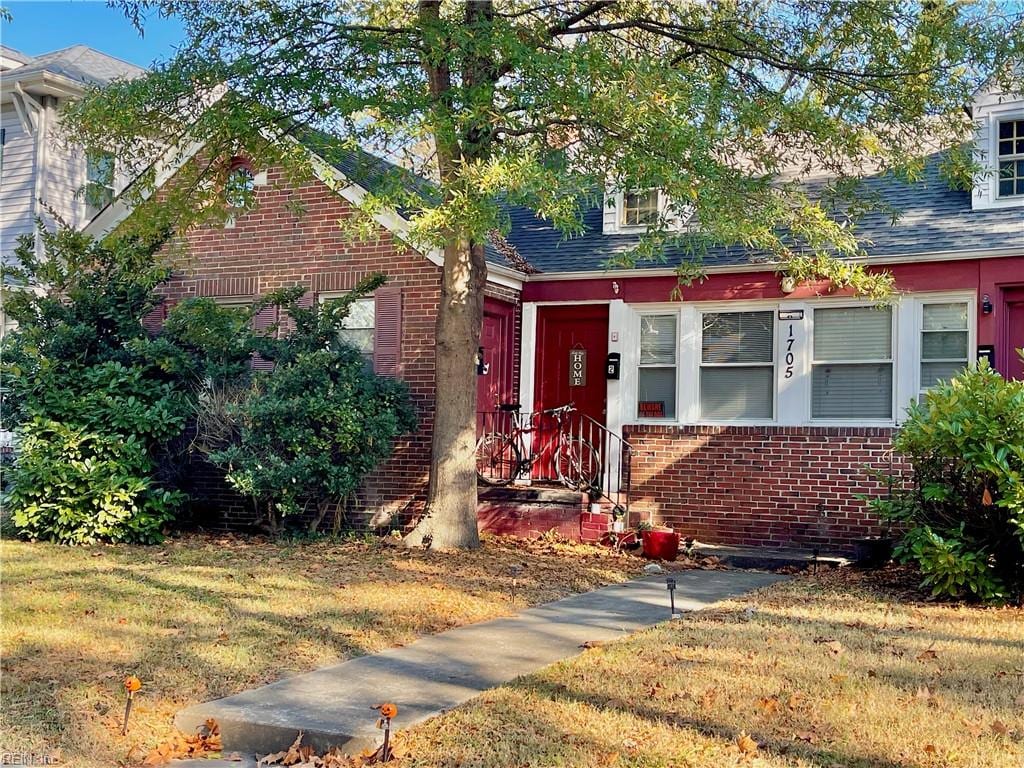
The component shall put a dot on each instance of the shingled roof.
(933, 219)
(80, 63)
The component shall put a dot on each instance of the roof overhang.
(41, 83)
(765, 266)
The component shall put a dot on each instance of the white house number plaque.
(790, 318)
(577, 367)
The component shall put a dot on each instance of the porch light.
(788, 284)
(986, 305)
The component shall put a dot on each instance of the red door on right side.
(1014, 303)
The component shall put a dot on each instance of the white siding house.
(42, 175)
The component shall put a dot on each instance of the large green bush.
(95, 404)
(297, 439)
(963, 513)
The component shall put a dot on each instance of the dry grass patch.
(204, 617)
(843, 670)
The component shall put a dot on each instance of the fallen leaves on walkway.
(204, 743)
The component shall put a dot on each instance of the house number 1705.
(790, 341)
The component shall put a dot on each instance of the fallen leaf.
(930, 749)
(839, 679)
(769, 705)
(746, 744)
(927, 654)
(999, 728)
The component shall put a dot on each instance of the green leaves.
(721, 105)
(964, 510)
(92, 402)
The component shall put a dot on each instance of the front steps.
(530, 511)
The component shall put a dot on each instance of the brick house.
(753, 410)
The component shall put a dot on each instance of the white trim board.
(791, 396)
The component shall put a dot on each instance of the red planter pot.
(661, 545)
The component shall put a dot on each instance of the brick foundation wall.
(760, 486)
(293, 238)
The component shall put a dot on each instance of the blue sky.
(40, 26)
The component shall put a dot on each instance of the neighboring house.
(756, 410)
(42, 176)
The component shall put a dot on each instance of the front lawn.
(204, 617)
(843, 670)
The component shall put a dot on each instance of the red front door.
(497, 334)
(1015, 333)
(563, 333)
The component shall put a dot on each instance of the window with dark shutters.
(387, 335)
(264, 320)
(153, 321)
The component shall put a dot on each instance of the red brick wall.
(293, 238)
(760, 486)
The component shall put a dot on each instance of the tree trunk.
(450, 518)
(449, 521)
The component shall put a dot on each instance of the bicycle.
(500, 460)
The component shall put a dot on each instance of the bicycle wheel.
(579, 464)
(497, 459)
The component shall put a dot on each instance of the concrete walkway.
(333, 706)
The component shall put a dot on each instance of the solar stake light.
(131, 685)
(670, 585)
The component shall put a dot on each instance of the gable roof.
(79, 63)
(933, 219)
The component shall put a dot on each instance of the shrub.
(95, 404)
(301, 437)
(963, 513)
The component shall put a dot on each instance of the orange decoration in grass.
(388, 710)
(132, 683)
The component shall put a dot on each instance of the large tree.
(725, 106)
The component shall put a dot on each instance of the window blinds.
(861, 389)
(737, 377)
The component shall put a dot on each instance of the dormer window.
(1010, 152)
(639, 209)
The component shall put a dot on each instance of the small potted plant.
(659, 543)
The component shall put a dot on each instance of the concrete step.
(334, 706)
(767, 558)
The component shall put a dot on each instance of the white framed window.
(1010, 158)
(945, 342)
(737, 365)
(99, 182)
(656, 372)
(239, 187)
(359, 326)
(639, 209)
(852, 363)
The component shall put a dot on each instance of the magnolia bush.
(963, 512)
(95, 405)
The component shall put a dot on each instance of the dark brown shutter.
(154, 319)
(264, 320)
(387, 331)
